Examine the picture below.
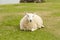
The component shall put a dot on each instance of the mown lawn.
(11, 14)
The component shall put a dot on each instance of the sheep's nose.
(30, 20)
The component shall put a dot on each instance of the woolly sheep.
(31, 22)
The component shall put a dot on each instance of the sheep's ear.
(25, 13)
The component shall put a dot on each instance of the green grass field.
(11, 14)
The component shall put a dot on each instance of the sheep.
(31, 22)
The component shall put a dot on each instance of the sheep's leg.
(39, 26)
(33, 29)
(42, 26)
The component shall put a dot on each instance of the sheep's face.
(30, 17)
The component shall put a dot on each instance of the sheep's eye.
(28, 15)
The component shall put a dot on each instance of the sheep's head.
(29, 17)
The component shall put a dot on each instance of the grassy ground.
(10, 16)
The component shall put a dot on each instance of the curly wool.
(36, 23)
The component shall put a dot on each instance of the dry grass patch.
(53, 24)
(51, 21)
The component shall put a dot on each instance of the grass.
(10, 16)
